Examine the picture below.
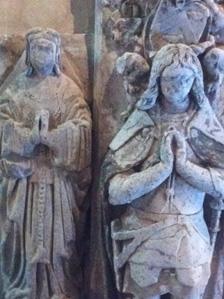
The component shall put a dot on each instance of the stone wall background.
(66, 16)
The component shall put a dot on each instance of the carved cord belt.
(40, 253)
(138, 236)
(42, 177)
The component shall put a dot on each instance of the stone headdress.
(177, 54)
(50, 35)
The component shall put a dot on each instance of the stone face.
(45, 169)
(158, 94)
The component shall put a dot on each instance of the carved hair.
(170, 54)
(50, 35)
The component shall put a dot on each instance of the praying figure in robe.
(160, 165)
(45, 148)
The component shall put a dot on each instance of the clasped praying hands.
(173, 150)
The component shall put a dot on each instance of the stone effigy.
(45, 160)
(169, 59)
(164, 160)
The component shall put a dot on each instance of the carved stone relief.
(161, 243)
(45, 163)
(157, 192)
(159, 156)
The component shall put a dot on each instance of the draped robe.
(41, 187)
(129, 150)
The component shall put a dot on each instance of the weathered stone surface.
(18, 16)
(165, 196)
(74, 60)
(128, 32)
(66, 16)
(45, 170)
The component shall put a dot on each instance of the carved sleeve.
(71, 140)
(15, 138)
(208, 180)
(124, 189)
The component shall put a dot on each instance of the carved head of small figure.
(130, 9)
(126, 32)
(213, 63)
(176, 74)
(43, 52)
(135, 70)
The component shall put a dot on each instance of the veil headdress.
(50, 35)
(178, 54)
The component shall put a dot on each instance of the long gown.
(41, 187)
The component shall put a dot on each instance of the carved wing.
(133, 142)
(206, 148)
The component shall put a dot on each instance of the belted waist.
(177, 218)
(43, 175)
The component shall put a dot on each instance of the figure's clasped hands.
(166, 151)
(173, 150)
(180, 151)
(44, 127)
(41, 127)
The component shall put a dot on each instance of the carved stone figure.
(161, 164)
(130, 9)
(142, 28)
(45, 127)
(127, 34)
(134, 70)
(195, 23)
(213, 64)
(179, 21)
